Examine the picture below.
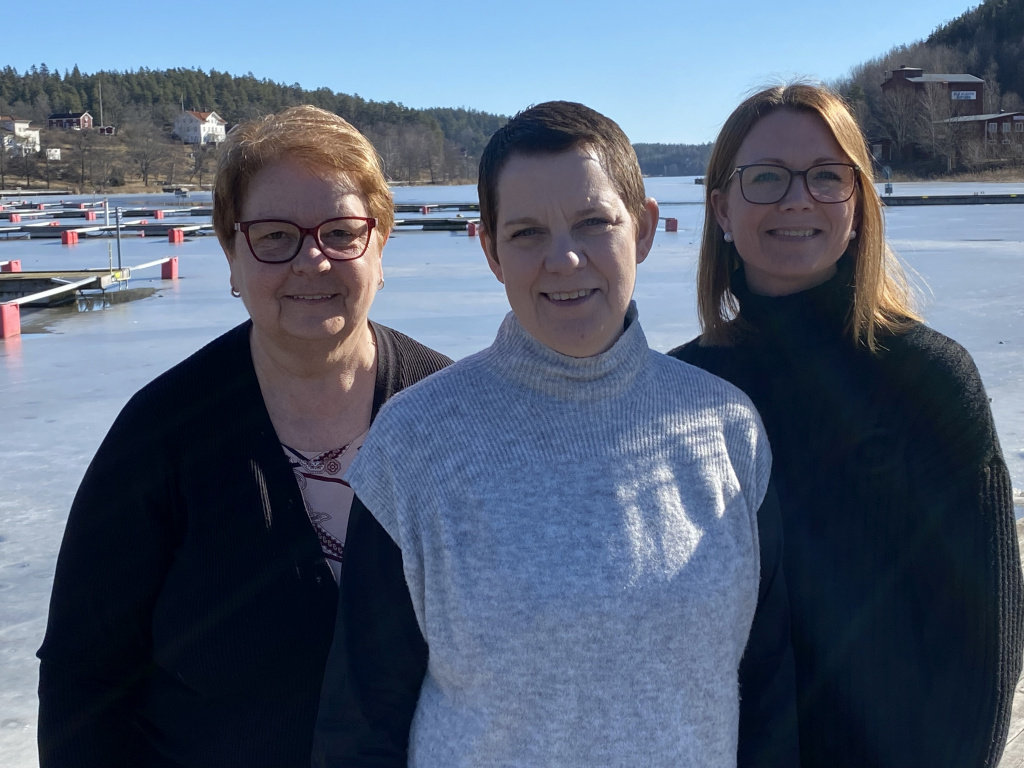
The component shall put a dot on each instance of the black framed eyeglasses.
(766, 184)
(275, 241)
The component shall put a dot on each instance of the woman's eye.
(595, 221)
(525, 232)
(277, 234)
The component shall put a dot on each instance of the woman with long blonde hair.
(901, 561)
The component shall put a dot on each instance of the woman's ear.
(229, 249)
(491, 252)
(646, 229)
(720, 207)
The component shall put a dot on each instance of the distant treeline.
(436, 145)
(673, 159)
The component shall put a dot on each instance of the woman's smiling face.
(794, 244)
(311, 297)
(566, 249)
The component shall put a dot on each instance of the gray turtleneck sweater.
(580, 542)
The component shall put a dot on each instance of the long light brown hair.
(882, 296)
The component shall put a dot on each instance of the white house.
(200, 127)
(16, 135)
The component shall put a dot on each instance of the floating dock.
(895, 201)
(52, 288)
(441, 225)
(428, 208)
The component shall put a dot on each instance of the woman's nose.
(798, 195)
(565, 256)
(310, 258)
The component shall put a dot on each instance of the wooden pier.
(428, 208)
(440, 225)
(52, 288)
(49, 289)
(89, 221)
(895, 201)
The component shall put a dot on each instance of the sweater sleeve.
(117, 545)
(768, 719)
(975, 590)
(378, 660)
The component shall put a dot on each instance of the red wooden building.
(70, 121)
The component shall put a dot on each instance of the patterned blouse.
(327, 496)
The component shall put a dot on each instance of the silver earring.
(853, 233)
(380, 284)
(234, 292)
(728, 237)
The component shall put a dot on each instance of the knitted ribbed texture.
(580, 543)
(900, 556)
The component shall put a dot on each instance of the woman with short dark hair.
(578, 515)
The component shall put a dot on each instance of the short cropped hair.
(314, 137)
(882, 298)
(551, 128)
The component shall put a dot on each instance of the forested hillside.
(673, 159)
(987, 42)
(989, 39)
(436, 145)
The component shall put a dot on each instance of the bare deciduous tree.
(146, 147)
(897, 117)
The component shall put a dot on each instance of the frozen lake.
(65, 379)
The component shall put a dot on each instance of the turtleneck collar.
(819, 313)
(527, 363)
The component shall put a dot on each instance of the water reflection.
(10, 352)
(92, 301)
(43, 319)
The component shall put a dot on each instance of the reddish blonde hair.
(312, 136)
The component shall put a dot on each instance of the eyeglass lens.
(342, 239)
(826, 183)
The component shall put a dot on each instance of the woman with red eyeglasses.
(905, 589)
(197, 585)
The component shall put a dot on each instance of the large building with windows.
(200, 128)
(966, 92)
(998, 128)
(924, 115)
(17, 136)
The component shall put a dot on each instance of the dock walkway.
(45, 288)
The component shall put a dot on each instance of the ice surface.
(64, 381)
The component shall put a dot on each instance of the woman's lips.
(312, 296)
(794, 232)
(569, 295)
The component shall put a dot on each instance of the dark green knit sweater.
(904, 580)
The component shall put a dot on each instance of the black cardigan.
(904, 580)
(192, 607)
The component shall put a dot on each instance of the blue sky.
(665, 71)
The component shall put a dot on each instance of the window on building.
(1006, 127)
(1019, 126)
(992, 127)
